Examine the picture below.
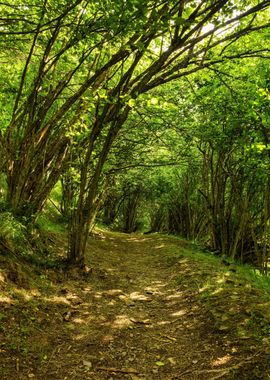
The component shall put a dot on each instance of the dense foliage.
(151, 113)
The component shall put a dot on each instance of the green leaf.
(159, 364)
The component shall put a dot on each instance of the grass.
(235, 297)
(224, 266)
(46, 223)
(254, 276)
(51, 219)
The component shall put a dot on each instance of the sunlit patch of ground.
(148, 310)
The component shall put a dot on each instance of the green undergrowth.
(25, 256)
(235, 298)
(222, 265)
(50, 225)
(51, 221)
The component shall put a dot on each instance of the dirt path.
(139, 315)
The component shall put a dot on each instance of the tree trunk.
(29, 185)
(88, 202)
(130, 211)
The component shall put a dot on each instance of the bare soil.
(146, 310)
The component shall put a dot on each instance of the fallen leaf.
(66, 316)
(87, 363)
(224, 318)
(159, 364)
(172, 361)
(134, 377)
(223, 328)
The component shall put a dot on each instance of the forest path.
(143, 315)
(150, 309)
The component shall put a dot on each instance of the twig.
(168, 337)
(145, 322)
(218, 376)
(160, 340)
(57, 208)
(223, 370)
(118, 370)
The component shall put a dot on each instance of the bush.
(12, 231)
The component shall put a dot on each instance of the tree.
(92, 61)
(221, 195)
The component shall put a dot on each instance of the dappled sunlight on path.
(136, 317)
(142, 313)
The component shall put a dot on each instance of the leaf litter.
(142, 313)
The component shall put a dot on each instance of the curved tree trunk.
(89, 199)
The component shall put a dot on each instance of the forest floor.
(151, 307)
